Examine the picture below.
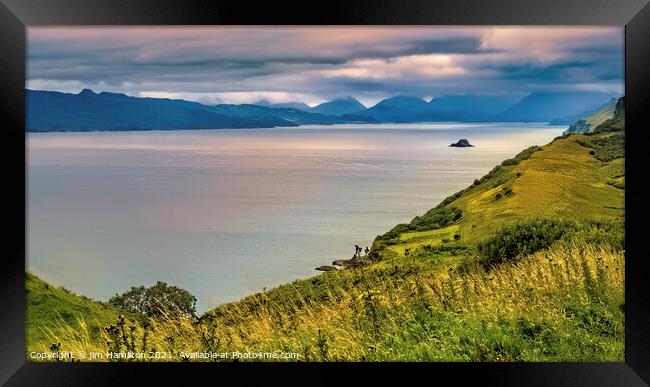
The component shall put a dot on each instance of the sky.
(233, 64)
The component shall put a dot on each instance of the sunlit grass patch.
(562, 304)
(442, 233)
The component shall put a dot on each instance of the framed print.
(375, 188)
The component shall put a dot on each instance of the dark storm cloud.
(461, 45)
(321, 63)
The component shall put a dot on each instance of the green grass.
(410, 241)
(49, 307)
(559, 179)
(438, 234)
(562, 304)
(563, 301)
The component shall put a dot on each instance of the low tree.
(159, 299)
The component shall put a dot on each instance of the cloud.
(233, 64)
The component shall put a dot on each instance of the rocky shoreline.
(340, 264)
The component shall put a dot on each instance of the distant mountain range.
(572, 118)
(404, 108)
(534, 107)
(336, 107)
(91, 111)
(552, 105)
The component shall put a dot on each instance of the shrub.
(584, 144)
(522, 238)
(157, 300)
(437, 218)
(533, 234)
(610, 148)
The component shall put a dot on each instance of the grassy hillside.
(51, 308)
(617, 122)
(610, 118)
(562, 178)
(549, 286)
(587, 124)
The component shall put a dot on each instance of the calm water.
(225, 213)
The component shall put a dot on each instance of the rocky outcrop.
(352, 262)
(462, 143)
(326, 268)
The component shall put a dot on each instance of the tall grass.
(562, 304)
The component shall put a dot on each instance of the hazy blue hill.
(446, 108)
(89, 111)
(573, 118)
(405, 102)
(336, 107)
(469, 105)
(290, 105)
(587, 122)
(400, 108)
(547, 106)
(339, 107)
(279, 115)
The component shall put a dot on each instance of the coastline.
(435, 257)
(413, 202)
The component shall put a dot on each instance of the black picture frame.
(15, 15)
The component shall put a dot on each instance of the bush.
(157, 300)
(584, 144)
(530, 235)
(437, 218)
(522, 238)
(610, 148)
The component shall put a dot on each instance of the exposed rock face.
(462, 143)
(619, 111)
(353, 262)
(326, 268)
(580, 126)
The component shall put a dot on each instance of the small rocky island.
(462, 143)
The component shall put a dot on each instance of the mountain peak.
(87, 92)
(340, 106)
(404, 101)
